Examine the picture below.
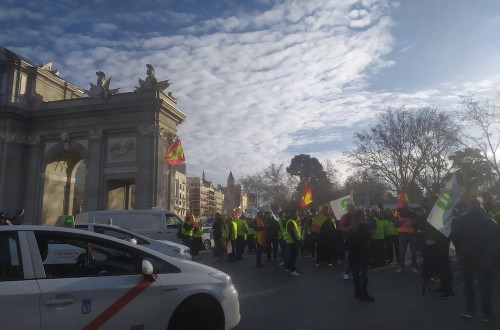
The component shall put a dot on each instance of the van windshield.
(173, 221)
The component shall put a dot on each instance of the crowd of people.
(369, 238)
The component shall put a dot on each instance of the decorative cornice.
(33, 140)
(156, 131)
(95, 134)
(11, 137)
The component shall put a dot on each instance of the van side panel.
(151, 223)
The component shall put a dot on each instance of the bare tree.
(367, 189)
(272, 185)
(481, 129)
(405, 143)
(331, 173)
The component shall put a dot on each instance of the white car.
(111, 284)
(169, 248)
(207, 238)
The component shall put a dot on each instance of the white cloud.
(257, 87)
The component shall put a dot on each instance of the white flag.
(441, 213)
(339, 206)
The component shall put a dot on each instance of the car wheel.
(207, 244)
(209, 314)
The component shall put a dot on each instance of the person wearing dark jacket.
(325, 238)
(218, 228)
(358, 246)
(272, 228)
(475, 237)
(435, 251)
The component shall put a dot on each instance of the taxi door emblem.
(86, 306)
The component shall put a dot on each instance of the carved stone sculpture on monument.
(151, 83)
(101, 90)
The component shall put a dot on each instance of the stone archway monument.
(118, 139)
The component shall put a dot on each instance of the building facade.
(54, 140)
(181, 203)
(234, 195)
(204, 199)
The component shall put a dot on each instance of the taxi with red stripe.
(62, 278)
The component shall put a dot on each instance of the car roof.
(41, 228)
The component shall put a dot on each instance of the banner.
(339, 206)
(251, 212)
(441, 213)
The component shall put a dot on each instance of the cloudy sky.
(261, 81)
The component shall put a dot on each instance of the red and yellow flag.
(174, 154)
(307, 196)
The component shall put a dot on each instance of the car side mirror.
(147, 271)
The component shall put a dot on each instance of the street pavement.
(320, 298)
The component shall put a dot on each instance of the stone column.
(34, 179)
(145, 185)
(95, 197)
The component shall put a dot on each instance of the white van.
(155, 223)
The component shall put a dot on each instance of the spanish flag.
(174, 154)
(307, 196)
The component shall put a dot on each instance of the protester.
(261, 238)
(281, 237)
(392, 238)
(435, 252)
(378, 238)
(197, 241)
(231, 236)
(309, 239)
(475, 237)
(241, 232)
(272, 229)
(407, 237)
(292, 242)
(218, 229)
(187, 229)
(324, 228)
(345, 230)
(251, 234)
(359, 240)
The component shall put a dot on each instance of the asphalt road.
(320, 298)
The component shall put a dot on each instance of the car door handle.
(62, 301)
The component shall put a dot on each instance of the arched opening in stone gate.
(61, 177)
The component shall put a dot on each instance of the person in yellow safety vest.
(241, 232)
(292, 240)
(232, 232)
(187, 229)
(324, 227)
(250, 234)
(378, 238)
(197, 241)
(392, 238)
(281, 237)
